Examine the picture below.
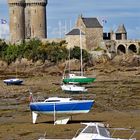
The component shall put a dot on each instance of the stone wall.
(94, 36)
(74, 40)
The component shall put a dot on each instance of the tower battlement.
(14, 2)
(36, 2)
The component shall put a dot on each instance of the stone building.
(117, 42)
(74, 37)
(92, 36)
(27, 19)
(92, 33)
(120, 34)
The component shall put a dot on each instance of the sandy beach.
(116, 92)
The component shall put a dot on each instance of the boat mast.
(16, 70)
(81, 53)
(69, 60)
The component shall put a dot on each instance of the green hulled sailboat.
(78, 79)
(73, 78)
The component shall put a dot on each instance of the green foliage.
(76, 53)
(31, 49)
(98, 49)
(35, 50)
(54, 51)
(11, 53)
(3, 47)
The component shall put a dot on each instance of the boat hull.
(78, 80)
(13, 81)
(73, 88)
(68, 108)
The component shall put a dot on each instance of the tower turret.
(121, 33)
(17, 23)
(35, 19)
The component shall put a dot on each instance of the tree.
(76, 53)
(11, 53)
(3, 47)
(31, 49)
(56, 51)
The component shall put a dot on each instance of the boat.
(56, 105)
(73, 88)
(13, 81)
(75, 79)
(96, 131)
(78, 79)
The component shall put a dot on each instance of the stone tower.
(93, 31)
(35, 19)
(121, 33)
(17, 20)
(27, 19)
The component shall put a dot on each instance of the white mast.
(81, 53)
(69, 60)
(60, 29)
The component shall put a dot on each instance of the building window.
(118, 36)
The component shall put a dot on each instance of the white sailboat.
(73, 88)
(13, 81)
(80, 79)
(56, 105)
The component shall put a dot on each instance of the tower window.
(13, 11)
(35, 10)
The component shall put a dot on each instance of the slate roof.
(92, 23)
(75, 32)
(121, 29)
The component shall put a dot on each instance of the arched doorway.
(121, 49)
(132, 49)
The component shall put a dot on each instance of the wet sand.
(117, 103)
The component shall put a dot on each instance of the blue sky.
(62, 15)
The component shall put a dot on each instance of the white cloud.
(4, 31)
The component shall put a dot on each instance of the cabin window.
(103, 131)
(90, 129)
(53, 101)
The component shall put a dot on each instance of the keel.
(34, 117)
